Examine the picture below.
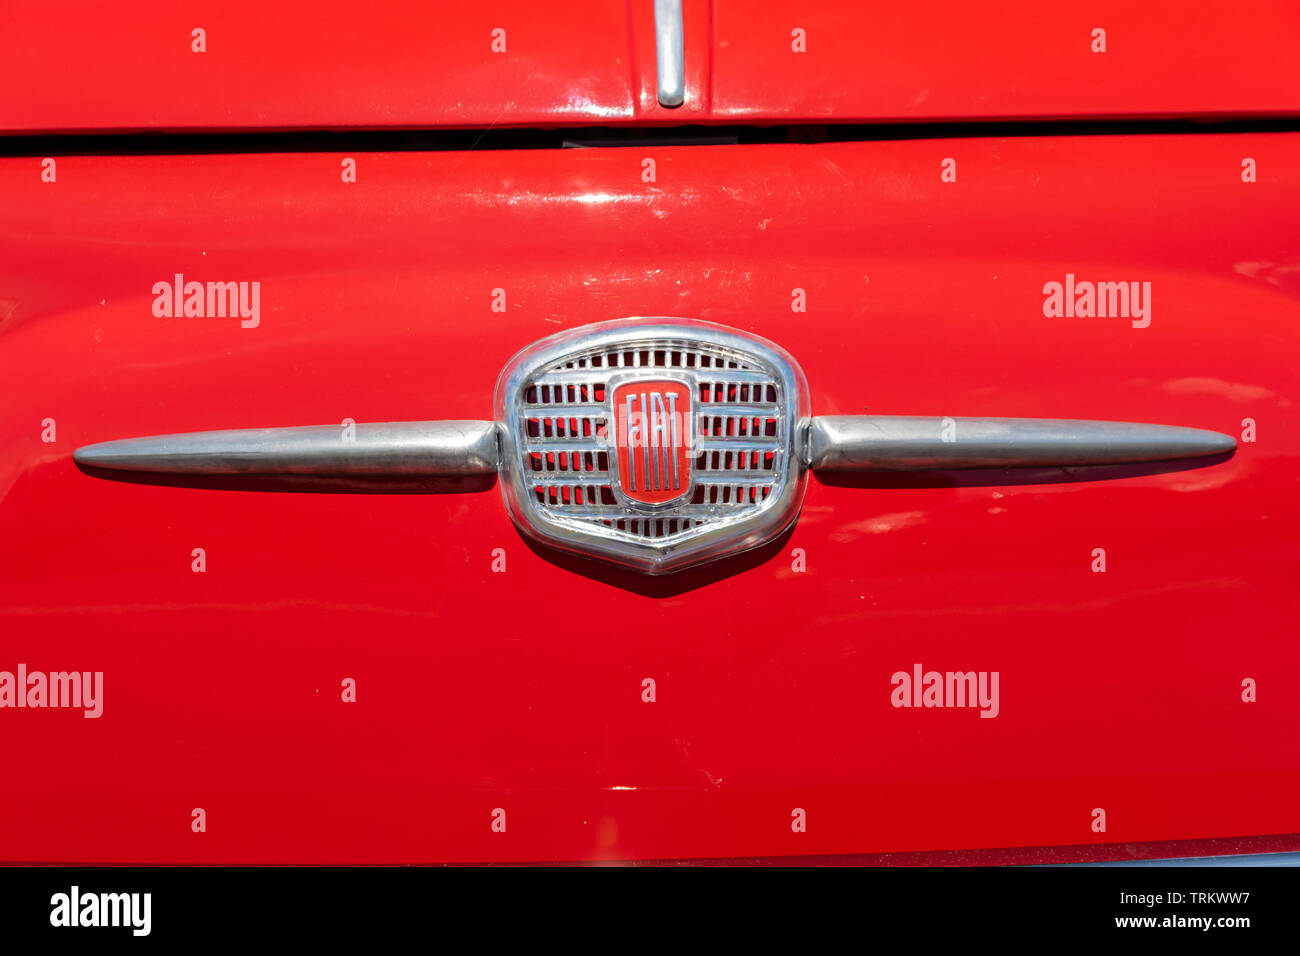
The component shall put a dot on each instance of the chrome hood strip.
(907, 443)
(441, 448)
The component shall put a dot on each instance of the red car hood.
(593, 63)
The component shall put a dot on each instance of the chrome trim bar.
(669, 52)
(908, 443)
(832, 443)
(444, 448)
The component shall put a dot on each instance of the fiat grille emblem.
(654, 428)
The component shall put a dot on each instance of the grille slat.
(565, 445)
(571, 478)
(735, 410)
(539, 410)
(730, 478)
(594, 377)
(721, 479)
(724, 444)
(606, 512)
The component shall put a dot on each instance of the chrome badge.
(653, 443)
(657, 444)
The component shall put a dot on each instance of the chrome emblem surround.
(559, 456)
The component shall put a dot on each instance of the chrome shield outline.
(727, 535)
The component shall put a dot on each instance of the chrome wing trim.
(907, 443)
(830, 443)
(442, 448)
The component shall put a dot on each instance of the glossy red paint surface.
(941, 59)
(396, 64)
(522, 690)
(388, 63)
